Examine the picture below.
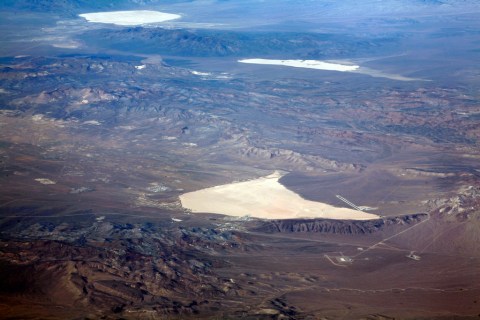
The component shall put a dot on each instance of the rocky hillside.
(115, 268)
(340, 226)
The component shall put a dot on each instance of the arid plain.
(147, 173)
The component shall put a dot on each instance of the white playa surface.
(129, 18)
(330, 66)
(309, 64)
(264, 198)
(45, 181)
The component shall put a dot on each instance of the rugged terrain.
(100, 137)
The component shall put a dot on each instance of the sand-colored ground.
(129, 18)
(309, 64)
(264, 198)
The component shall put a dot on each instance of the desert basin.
(264, 198)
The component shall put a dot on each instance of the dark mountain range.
(208, 43)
